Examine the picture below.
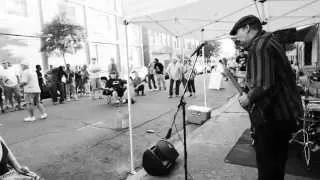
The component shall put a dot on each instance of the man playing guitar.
(273, 100)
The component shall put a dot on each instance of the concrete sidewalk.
(209, 144)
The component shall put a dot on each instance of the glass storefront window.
(101, 26)
(16, 7)
(103, 53)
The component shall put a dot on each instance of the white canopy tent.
(185, 18)
(213, 19)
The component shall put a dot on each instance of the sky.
(227, 48)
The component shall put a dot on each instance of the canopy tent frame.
(207, 22)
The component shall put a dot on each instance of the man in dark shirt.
(158, 66)
(115, 87)
(273, 91)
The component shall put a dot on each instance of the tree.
(212, 49)
(61, 37)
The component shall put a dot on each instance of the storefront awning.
(307, 34)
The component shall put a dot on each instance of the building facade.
(164, 46)
(23, 20)
(307, 52)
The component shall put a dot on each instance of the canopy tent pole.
(132, 171)
(205, 71)
(182, 48)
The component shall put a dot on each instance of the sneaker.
(44, 116)
(169, 96)
(29, 119)
(68, 100)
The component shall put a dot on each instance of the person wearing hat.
(30, 84)
(272, 91)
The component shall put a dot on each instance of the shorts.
(10, 91)
(32, 98)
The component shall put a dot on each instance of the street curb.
(215, 114)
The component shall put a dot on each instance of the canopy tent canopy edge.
(180, 22)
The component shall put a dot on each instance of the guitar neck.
(233, 80)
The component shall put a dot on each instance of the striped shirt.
(271, 80)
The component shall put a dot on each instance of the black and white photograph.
(159, 90)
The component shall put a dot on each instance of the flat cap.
(244, 21)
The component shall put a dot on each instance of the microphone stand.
(182, 104)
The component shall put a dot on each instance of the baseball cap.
(244, 21)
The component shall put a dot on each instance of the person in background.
(10, 80)
(138, 84)
(112, 67)
(7, 160)
(115, 87)
(241, 61)
(40, 79)
(273, 91)
(1, 99)
(51, 78)
(192, 74)
(158, 66)
(85, 76)
(70, 84)
(30, 84)
(151, 73)
(174, 71)
(184, 70)
(77, 78)
(94, 71)
(61, 84)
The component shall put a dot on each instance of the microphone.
(199, 48)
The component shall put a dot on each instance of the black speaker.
(159, 159)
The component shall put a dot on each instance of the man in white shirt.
(174, 71)
(11, 89)
(29, 82)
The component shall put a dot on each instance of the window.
(68, 11)
(16, 7)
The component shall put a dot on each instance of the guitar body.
(255, 110)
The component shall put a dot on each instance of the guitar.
(229, 75)
(255, 110)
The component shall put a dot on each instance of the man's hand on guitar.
(244, 100)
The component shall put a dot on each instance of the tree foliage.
(212, 49)
(61, 37)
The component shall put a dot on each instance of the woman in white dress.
(216, 77)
